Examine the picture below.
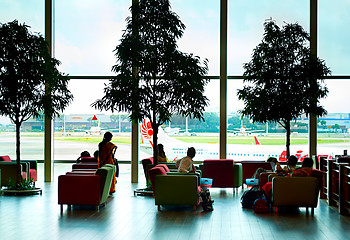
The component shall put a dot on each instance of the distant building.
(78, 122)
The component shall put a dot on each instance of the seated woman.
(106, 151)
(161, 154)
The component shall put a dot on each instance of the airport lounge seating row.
(224, 172)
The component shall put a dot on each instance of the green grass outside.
(200, 139)
(96, 140)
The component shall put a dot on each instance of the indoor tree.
(29, 79)
(155, 80)
(283, 80)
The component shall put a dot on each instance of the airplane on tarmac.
(239, 152)
(243, 131)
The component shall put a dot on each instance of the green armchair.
(176, 189)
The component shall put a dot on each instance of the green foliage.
(148, 185)
(24, 184)
(283, 80)
(29, 79)
(154, 79)
(26, 68)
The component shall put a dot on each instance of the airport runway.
(33, 148)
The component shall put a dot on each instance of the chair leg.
(312, 211)
(307, 211)
(61, 208)
(158, 207)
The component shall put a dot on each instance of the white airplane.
(239, 152)
(94, 131)
(243, 131)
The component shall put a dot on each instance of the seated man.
(291, 165)
(185, 164)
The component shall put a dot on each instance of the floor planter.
(21, 192)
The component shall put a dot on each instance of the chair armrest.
(237, 175)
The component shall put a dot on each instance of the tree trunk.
(155, 143)
(287, 124)
(18, 152)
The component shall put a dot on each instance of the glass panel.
(31, 13)
(257, 141)
(183, 133)
(87, 33)
(81, 127)
(333, 129)
(202, 34)
(333, 35)
(245, 25)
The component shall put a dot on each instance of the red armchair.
(224, 172)
(85, 189)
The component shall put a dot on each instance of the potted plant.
(29, 79)
(153, 78)
(283, 79)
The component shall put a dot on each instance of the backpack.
(261, 205)
(205, 200)
(249, 196)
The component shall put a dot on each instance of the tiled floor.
(136, 217)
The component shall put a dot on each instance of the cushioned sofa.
(224, 172)
(86, 188)
(295, 192)
(173, 188)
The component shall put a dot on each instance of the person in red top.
(305, 170)
(106, 151)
